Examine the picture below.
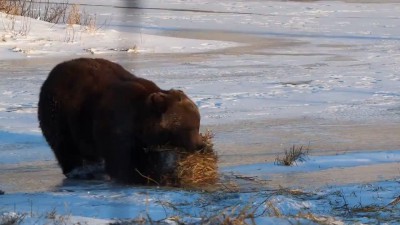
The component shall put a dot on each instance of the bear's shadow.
(89, 172)
(163, 164)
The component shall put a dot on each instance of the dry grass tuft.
(233, 216)
(291, 192)
(366, 209)
(74, 16)
(11, 7)
(322, 220)
(2, 5)
(292, 155)
(12, 218)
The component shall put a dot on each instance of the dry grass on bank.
(52, 12)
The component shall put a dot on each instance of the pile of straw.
(198, 168)
(188, 169)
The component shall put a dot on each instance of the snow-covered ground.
(266, 75)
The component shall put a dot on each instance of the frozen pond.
(266, 75)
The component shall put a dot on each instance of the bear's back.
(85, 77)
(93, 71)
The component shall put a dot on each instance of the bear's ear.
(178, 94)
(158, 101)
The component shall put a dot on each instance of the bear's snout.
(194, 143)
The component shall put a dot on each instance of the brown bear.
(93, 110)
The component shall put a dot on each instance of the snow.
(315, 163)
(107, 202)
(45, 39)
(265, 74)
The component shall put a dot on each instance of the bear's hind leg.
(56, 131)
(65, 150)
(67, 155)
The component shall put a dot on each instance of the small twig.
(148, 178)
(150, 220)
(395, 201)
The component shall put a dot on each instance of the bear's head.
(178, 120)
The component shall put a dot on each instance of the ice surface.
(265, 75)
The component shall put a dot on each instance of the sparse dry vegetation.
(46, 11)
(234, 216)
(227, 209)
(61, 12)
(90, 22)
(292, 155)
(17, 28)
(12, 219)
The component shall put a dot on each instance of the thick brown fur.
(93, 110)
